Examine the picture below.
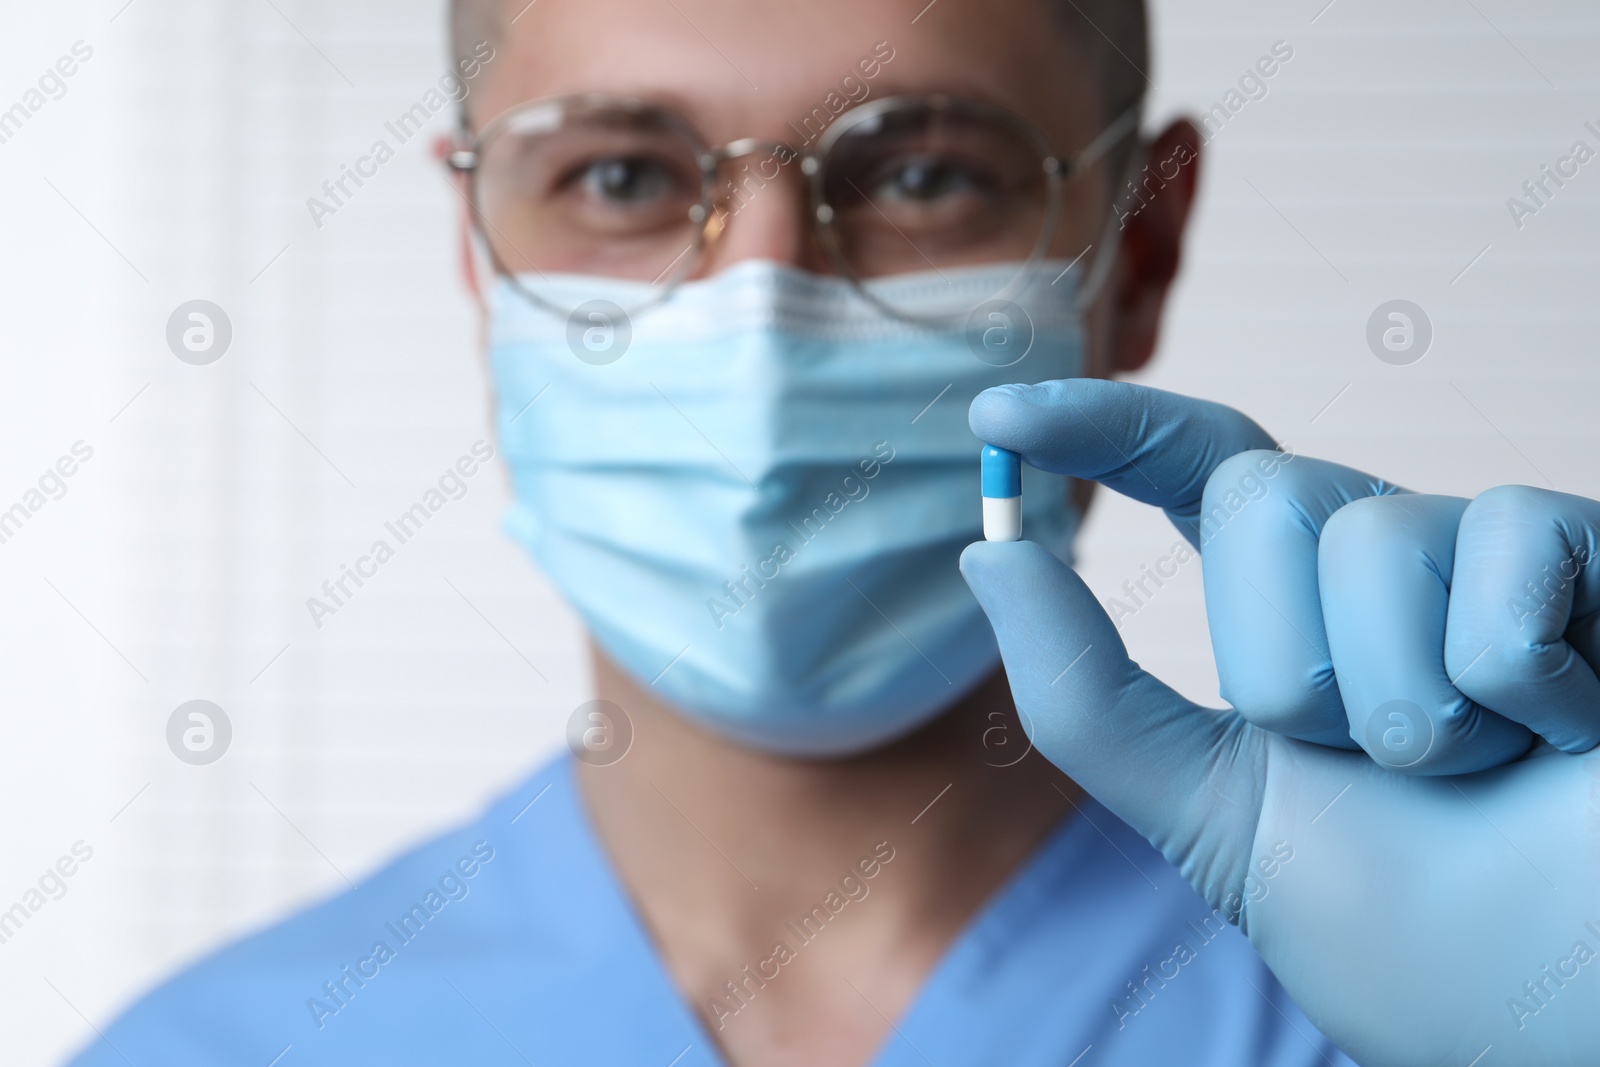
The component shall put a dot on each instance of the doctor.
(759, 280)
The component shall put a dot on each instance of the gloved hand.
(1418, 913)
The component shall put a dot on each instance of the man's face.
(740, 69)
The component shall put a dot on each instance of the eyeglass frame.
(464, 160)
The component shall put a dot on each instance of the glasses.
(600, 185)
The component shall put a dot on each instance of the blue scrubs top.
(510, 941)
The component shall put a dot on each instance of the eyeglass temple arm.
(1125, 124)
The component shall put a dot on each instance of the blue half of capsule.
(1001, 473)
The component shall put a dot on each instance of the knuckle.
(1506, 502)
(1367, 514)
(1398, 519)
(1241, 468)
(1294, 704)
(1358, 523)
(1372, 542)
(1240, 491)
(1494, 671)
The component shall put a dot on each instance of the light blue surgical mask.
(758, 507)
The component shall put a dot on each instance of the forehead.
(749, 68)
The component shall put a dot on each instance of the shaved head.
(1113, 33)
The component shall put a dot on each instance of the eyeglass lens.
(611, 191)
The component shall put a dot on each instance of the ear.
(1153, 209)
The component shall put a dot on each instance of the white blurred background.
(176, 165)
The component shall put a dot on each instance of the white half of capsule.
(1002, 518)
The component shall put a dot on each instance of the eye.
(627, 180)
(925, 178)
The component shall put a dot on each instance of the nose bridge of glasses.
(749, 146)
(772, 223)
(736, 185)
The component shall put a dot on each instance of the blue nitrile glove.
(1418, 914)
